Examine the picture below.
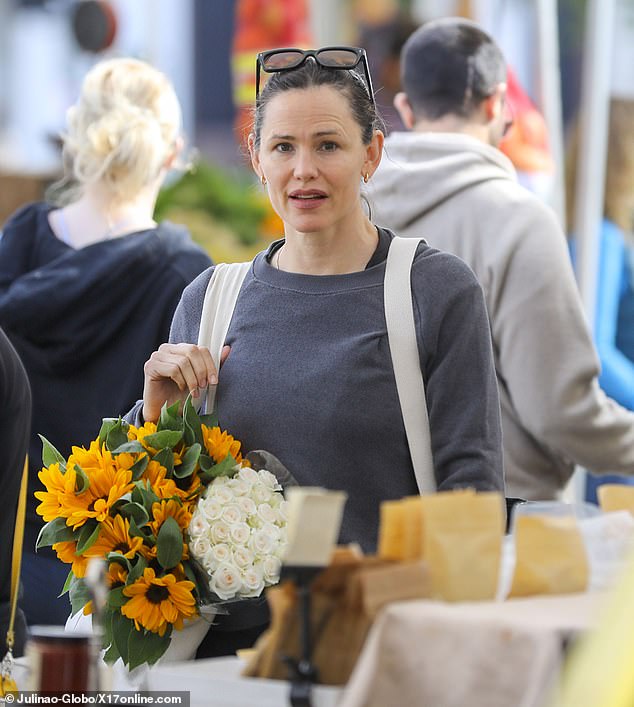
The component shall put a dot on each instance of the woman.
(87, 290)
(307, 373)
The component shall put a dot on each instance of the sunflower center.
(156, 594)
(122, 548)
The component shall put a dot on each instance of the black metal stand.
(302, 671)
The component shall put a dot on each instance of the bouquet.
(179, 517)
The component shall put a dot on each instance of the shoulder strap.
(401, 333)
(16, 560)
(220, 300)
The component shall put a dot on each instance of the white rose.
(272, 531)
(261, 543)
(283, 510)
(269, 480)
(248, 474)
(220, 532)
(272, 567)
(242, 557)
(266, 513)
(239, 486)
(216, 555)
(200, 547)
(280, 549)
(198, 525)
(226, 581)
(246, 505)
(240, 533)
(211, 508)
(223, 493)
(261, 494)
(232, 514)
(252, 582)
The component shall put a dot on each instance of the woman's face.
(313, 158)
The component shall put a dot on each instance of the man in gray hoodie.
(447, 181)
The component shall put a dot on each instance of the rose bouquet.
(179, 517)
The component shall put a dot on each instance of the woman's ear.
(404, 109)
(175, 153)
(374, 152)
(255, 155)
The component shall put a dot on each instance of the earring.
(263, 180)
(366, 177)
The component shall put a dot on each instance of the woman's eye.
(329, 146)
(283, 147)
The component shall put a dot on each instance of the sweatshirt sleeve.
(548, 363)
(184, 329)
(460, 382)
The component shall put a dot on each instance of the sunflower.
(114, 536)
(163, 487)
(58, 485)
(161, 511)
(107, 485)
(117, 575)
(219, 443)
(156, 602)
(67, 552)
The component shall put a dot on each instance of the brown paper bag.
(462, 543)
(550, 557)
(616, 497)
(345, 600)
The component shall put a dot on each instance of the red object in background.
(260, 25)
(526, 143)
(94, 25)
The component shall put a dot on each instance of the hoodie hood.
(73, 306)
(420, 171)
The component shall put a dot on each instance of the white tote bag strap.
(220, 301)
(401, 333)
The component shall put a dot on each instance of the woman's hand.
(174, 371)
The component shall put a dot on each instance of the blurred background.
(569, 58)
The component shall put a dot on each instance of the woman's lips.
(307, 199)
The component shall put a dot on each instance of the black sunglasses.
(346, 58)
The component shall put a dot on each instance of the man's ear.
(494, 104)
(404, 109)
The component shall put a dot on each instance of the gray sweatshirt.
(309, 378)
(463, 197)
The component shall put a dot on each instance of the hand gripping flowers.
(178, 515)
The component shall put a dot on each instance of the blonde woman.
(88, 288)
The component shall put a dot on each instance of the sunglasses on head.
(347, 58)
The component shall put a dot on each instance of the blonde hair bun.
(123, 128)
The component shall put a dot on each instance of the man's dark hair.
(450, 66)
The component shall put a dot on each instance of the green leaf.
(169, 418)
(107, 424)
(136, 512)
(117, 435)
(189, 462)
(55, 531)
(120, 559)
(78, 593)
(139, 466)
(209, 420)
(50, 455)
(137, 570)
(66, 586)
(122, 627)
(116, 598)
(135, 531)
(133, 447)
(82, 482)
(88, 536)
(227, 467)
(143, 494)
(147, 647)
(165, 438)
(191, 422)
(206, 462)
(165, 458)
(169, 544)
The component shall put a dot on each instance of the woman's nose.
(305, 167)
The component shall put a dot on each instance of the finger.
(224, 354)
(179, 365)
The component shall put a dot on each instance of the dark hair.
(347, 82)
(450, 66)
